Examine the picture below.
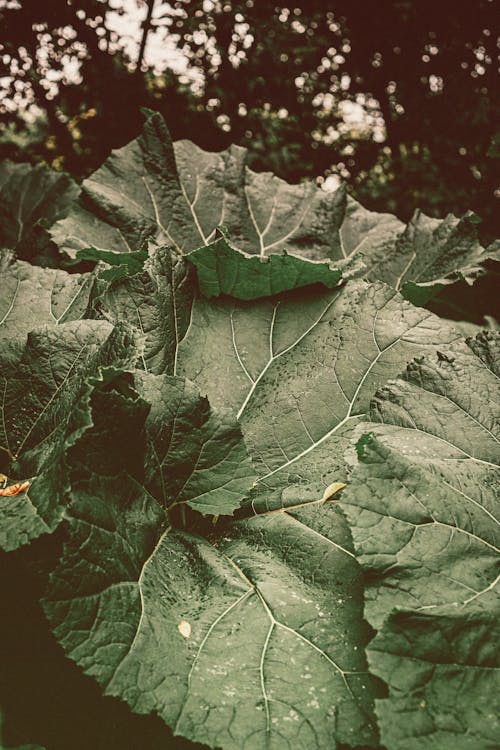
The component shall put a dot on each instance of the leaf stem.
(8, 452)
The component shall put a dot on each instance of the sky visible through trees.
(397, 98)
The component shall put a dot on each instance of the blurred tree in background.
(396, 97)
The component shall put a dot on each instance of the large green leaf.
(252, 638)
(28, 195)
(248, 631)
(214, 627)
(179, 194)
(423, 507)
(43, 409)
(299, 372)
(435, 254)
(211, 631)
(134, 196)
(223, 269)
(33, 296)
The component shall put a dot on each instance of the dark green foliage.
(258, 495)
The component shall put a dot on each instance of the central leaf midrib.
(68, 307)
(281, 353)
(11, 306)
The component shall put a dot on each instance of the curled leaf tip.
(332, 489)
(13, 489)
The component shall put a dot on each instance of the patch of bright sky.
(162, 53)
(126, 17)
(124, 20)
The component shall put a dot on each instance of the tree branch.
(146, 28)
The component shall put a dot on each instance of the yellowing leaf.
(184, 628)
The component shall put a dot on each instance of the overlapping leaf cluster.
(256, 449)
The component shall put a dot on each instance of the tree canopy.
(397, 98)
